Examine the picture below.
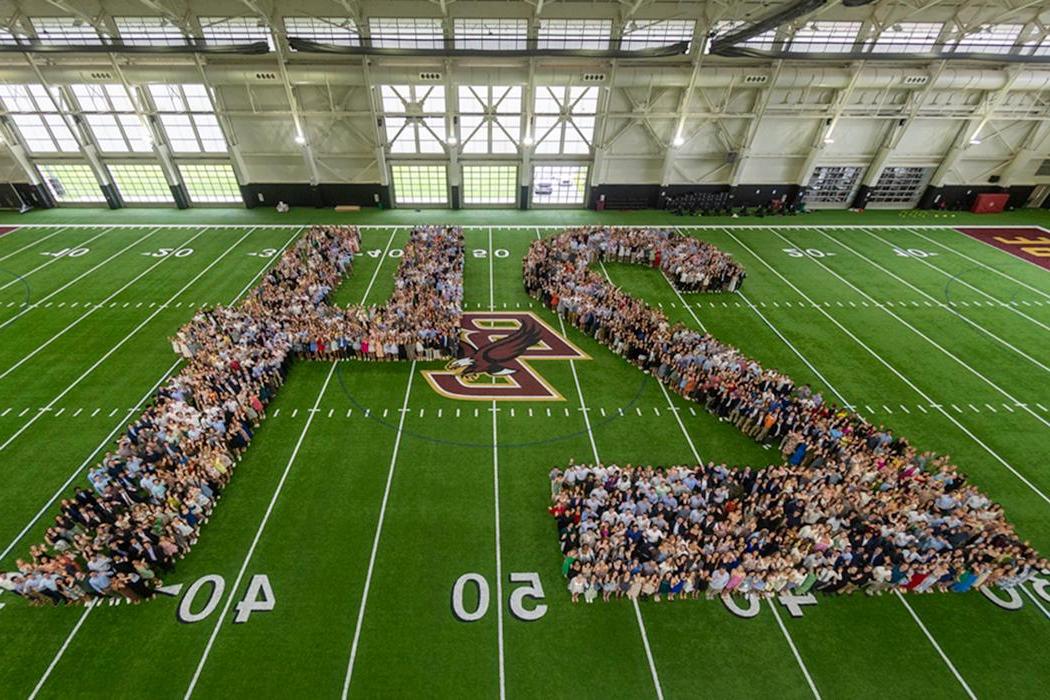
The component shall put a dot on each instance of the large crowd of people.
(852, 507)
(149, 497)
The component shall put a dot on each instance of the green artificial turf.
(883, 333)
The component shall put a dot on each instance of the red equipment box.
(990, 203)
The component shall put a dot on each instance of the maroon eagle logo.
(495, 352)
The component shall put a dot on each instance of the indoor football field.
(380, 539)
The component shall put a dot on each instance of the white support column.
(1034, 146)
(302, 139)
(699, 47)
(18, 152)
(453, 141)
(898, 128)
(825, 131)
(761, 104)
(969, 133)
(161, 148)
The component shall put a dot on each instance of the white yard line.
(258, 536)
(378, 535)
(980, 264)
(58, 492)
(76, 279)
(783, 628)
(120, 424)
(495, 493)
(597, 459)
(50, 262)
(29, 245)
(120, 344)
(499, 554)
(36, 349)
(794, 649)
(926, 397)
(1035, 599)
(375, 272)
(944, 657)
(62, 650)
(922, 335)
(957, 278)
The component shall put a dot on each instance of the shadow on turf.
(486, 444)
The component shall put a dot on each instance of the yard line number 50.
(531, 589)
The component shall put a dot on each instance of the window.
(7, 38)
(995, 38)
(71, 182)
(114, 132)
(420, 184)
(593, 34)
(36, 116)
(1042, 48)
(141, 182)
(833, 185)
(825, 37)
(653, 33)
(340, 31)
(490, 118)
(188, 118)
(559, 184)
(210, 182)
(565, 118)
(899, 186)
(149, 31)
(491, 34)
(406, 33)
(490, 184)
(908, 37)
(235, 30)
(65, 31)
(415, 118)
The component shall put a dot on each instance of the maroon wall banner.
(1025, 242)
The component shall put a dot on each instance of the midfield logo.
(495, 350)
